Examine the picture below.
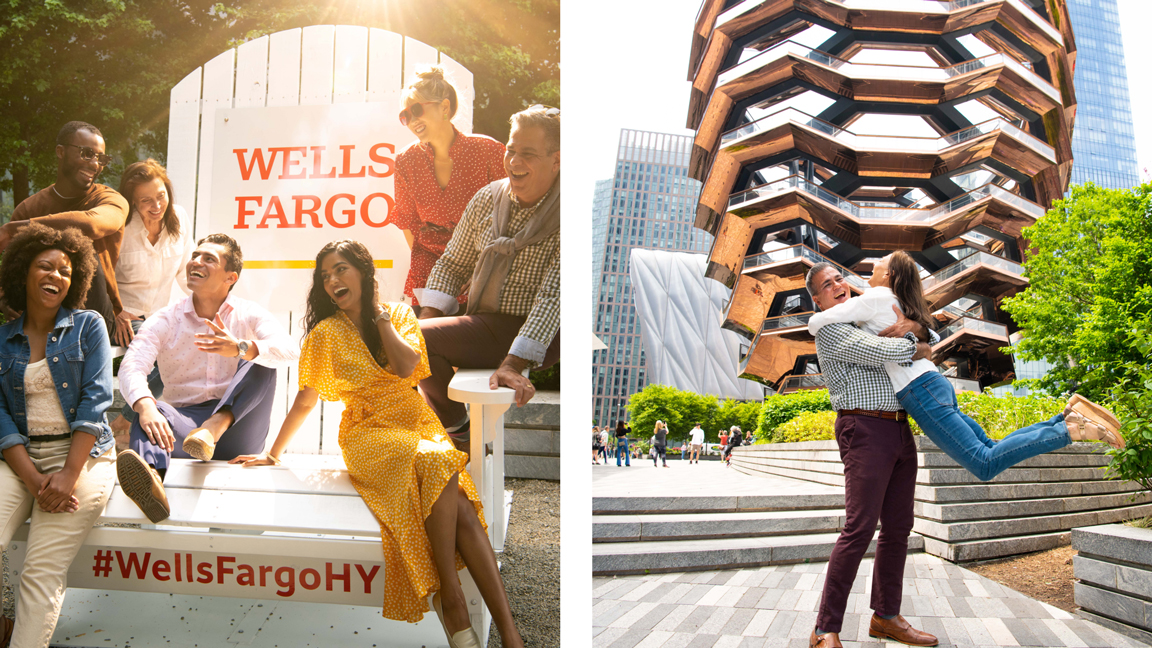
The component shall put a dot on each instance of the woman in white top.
(155, 250)
(928, 397)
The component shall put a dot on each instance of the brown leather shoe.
(826, 640)
(898, 629)
(142, 485)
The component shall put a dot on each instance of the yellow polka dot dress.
(396, 451)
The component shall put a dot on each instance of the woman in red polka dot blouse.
(438, 175)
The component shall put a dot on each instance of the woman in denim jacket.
(55, 385)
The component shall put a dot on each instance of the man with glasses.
(507, 249)
(75, 200)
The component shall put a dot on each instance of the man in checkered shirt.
(879, 462)
(506, 249)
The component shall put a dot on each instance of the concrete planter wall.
(1114, 566)
(532, 438)
(1030, 507)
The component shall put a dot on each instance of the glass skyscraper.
(1103, 141)
(650, 203)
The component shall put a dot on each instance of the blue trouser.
(931, 400)
(249, 396)
(622, 451)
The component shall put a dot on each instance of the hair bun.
(432, 73)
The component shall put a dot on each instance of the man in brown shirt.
(75, 200)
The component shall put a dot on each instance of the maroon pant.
(478, 341)
(879, 482)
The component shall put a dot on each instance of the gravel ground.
(531, 562)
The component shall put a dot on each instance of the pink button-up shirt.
(192, 376)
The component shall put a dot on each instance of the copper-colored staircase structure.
(786, 186)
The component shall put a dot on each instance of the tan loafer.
(142, 485)
(826, 640)
(200, 444)
(466, 638)
(898, 629)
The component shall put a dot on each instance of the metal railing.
(802, 252)
(806, 381)
(977, 325)
(970, 261)
(786, 321)
(875, 213)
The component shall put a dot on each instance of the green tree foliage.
(113, 63)
(1134, 408)
(1090, 280)
(807, 426)
(682, 410)
(733, 412)
(781, 408)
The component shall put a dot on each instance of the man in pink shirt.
(218, 356)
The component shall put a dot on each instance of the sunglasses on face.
(87, 154)
(415, 111)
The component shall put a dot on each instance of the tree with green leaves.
(113, 62)
(680, 410)
(1089, 267)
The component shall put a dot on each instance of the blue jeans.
(931, 400)
(622, 451)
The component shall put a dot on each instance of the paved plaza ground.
(776, 605)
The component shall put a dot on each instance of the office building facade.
(650, 206)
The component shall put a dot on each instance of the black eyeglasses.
(549, 111)
(87, 154)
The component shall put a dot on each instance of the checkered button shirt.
(532, 289)
(852, 362)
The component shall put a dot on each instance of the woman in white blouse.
(156, 248)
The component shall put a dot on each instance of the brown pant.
(879, 482)
(478, 341)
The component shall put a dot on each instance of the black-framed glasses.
(87, 154)
(415, 111)
(549, 111)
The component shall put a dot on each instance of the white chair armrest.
(471, 386)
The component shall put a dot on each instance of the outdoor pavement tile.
(605, 639)
(941, 608)
(638, 593)
(1060, 629)
(942, 588)
(713, 595)
(750, 597)
(728, 641)
(677, 592)
(626, 585)
(808, 601)
(674, 618)
(722, 578)
(601, 587)
(630, 617)
(655, 639)
(806, 581)
(782, 624)
(803, 625)
(789, 581)
(909, 587)
(752, 642)
(1026, 608)
(960, 607)
(597, 630)
(978, 632)
(773, 579)
(976, 587)
(761, 621)
(1000, 634)
(788, 600)
(656, 594)
(958, 632)
(920, 605)
(850, 628)
(1085, 632)
(737, 622)
(717, 621)
(1023, 632)
(740, 578)
(630, 638)
(615, 612)
(603, 605)
(679, 640)
(656, 615)
(924, 587)
(697, 618)
(732, 596)
(934, 626)
(990, 607)
(769, 600)
(703, 641)
(1039, 629)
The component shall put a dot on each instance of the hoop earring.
(333, 301)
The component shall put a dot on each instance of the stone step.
(715, 504)
(695, 526)
(995, 547)
(1019, 526)
(925, 459)
(617, 558)
(988, 491)
(990, 510)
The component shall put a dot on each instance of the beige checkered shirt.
(532, 289)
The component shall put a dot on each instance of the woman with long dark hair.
(929, 398)
(622, 444)
(438, 174)
(371, 356)
(55, 384)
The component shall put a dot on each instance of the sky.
(626, 66)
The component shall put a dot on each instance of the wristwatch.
(384, 315)
(242, 347)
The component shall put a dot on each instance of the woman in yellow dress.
(371, 356)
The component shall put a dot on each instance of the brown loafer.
(826, 640)
(142, 485)
(200, 444)
(898, 629)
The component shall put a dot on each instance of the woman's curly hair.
(28, 244)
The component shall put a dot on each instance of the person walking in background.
(697, 442)
(605, 445)
(659, 443)
(622, 444)
(723, 437)
(596, 447)
(735, 438)
(437, 175)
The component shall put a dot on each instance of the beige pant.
(54, 538)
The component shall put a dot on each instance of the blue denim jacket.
(80, 360)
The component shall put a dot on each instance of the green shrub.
(780, 409)
(1133, 406)
(807, 426)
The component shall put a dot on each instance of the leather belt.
(44, 438)
(899, 415)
